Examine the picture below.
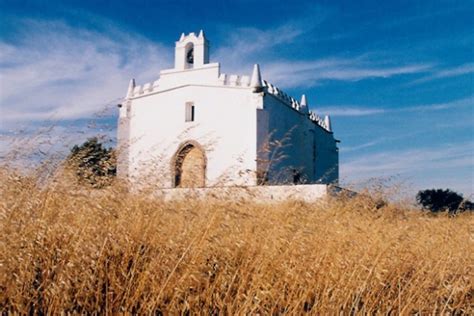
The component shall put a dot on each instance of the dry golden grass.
(65, 249)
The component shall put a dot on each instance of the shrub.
(92, 163)
(439, 200)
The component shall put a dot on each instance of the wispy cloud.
(413, 162)
(362, 110)
(291, 73)
(469, 101)
(350, 110)
(359, 147)
(246, 41)
(243, 45)
(447, 73)
(310, 73)
(447, 156)
(461, 70)
(54, 71)
(248, 45)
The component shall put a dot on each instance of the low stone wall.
(270, 193)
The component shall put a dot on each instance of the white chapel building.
(197, 127)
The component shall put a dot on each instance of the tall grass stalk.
(70, 249)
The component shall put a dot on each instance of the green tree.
(439, 200)
(92, 163)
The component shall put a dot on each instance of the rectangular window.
(189, 112)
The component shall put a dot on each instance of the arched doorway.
(189, 166)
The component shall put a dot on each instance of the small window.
(189, 112)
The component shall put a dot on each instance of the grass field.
(73, 250)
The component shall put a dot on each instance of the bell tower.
(191, 51)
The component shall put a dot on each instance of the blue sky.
(396, 77)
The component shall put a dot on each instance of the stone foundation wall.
(271, 193)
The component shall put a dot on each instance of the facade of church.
(198, 127)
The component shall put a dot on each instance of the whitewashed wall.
(309, 193)
(326, 168)
(293, 138)
(225, 125)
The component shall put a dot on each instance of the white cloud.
(469, 101)
(361, 110)
(350, 110)
(361, 146)
(54, 71)
(311, 73)
(246, 46)
(460, 70)
(447, 73)
(246, 41)
(423, 162)
(291, 74)
(242, 46)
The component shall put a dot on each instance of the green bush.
(92, 163)
(439, 200)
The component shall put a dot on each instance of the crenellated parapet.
(234, 80)
(254, 82)
(324, 123)
(281, 95)
(301, 106)
(138, 90)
